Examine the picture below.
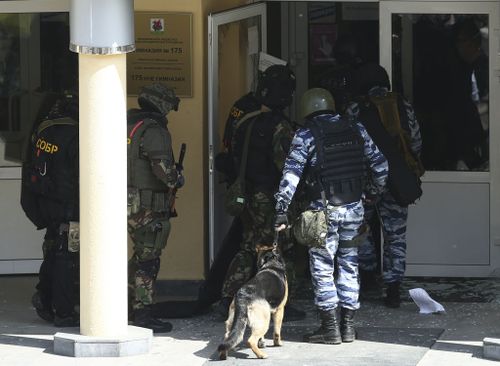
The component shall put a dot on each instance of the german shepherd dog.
(253, 304)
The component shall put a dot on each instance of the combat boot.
(393, 295)
(45, 312)
(143, 318)
(329, 330)
(347, 325)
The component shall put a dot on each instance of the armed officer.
(152, 178)
(330, 154)
(268, 143)
(50, 199)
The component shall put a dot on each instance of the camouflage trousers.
(393, 219)
(149, 233)
(258, 227)
(329, 292)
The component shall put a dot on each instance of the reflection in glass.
(440, 62)
(239, 46)
(35, 65)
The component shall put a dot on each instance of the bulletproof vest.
(340, 165)
(139, 172)
(261, 171)
(50, 175)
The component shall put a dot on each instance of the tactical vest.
(340, 164)
(139, 172)
(50, 174)
(261, 171)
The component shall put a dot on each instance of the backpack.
(381, 116)
(49, 185)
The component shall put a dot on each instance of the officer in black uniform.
(50, 199)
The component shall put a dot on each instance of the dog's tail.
(238, 329)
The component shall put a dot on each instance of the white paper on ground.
(425, 303)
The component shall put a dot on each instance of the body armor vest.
(139, 172)
(50, 175)
(340, 165)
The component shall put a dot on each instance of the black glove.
(281, 219)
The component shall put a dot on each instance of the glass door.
(443, 56)
(35, 63)
(235, 39)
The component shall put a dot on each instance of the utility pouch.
(235, 200)
(311, 228)
(146, 198)
(133, 201)
(153, 235)
(74, 237)
(162, 228)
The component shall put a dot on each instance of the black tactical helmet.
(65, 106)
(276, 87)
(371, 75)
(158, 98)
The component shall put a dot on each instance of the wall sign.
(163, 52)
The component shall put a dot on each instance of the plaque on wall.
(163, 43)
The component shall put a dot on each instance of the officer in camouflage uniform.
(339, 188)
(269, 142)
(152, 175)
(374, 81)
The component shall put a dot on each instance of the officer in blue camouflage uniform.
(344, 216)
(374, 81)
(152, 175)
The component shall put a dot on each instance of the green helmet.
(316, 100)
(158, 98)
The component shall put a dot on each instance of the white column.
(103, 195)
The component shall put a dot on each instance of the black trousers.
(59, 273)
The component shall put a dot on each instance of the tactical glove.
(281, 221)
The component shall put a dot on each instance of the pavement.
(386, 336)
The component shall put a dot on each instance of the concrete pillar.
(102, 33)
(103, 192)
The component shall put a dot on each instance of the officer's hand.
(180, 181)
(280, 222)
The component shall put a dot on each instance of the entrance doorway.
(444, 57)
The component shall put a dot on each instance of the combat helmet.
(371, 75)
(276, 87)
(66, 105)
(316, 100)
(158, 98)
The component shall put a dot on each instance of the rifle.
(173, 192)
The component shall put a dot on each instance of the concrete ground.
(386, 336)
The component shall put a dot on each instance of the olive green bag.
(235, 199)
(311, 228)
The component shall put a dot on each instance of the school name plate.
(163, 52)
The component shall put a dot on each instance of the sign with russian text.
(163, 53)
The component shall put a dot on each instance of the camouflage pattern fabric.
(144, 264)
(158, 96)
(258, 224)
(392, 216)
(344, 221)
(393, 219)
